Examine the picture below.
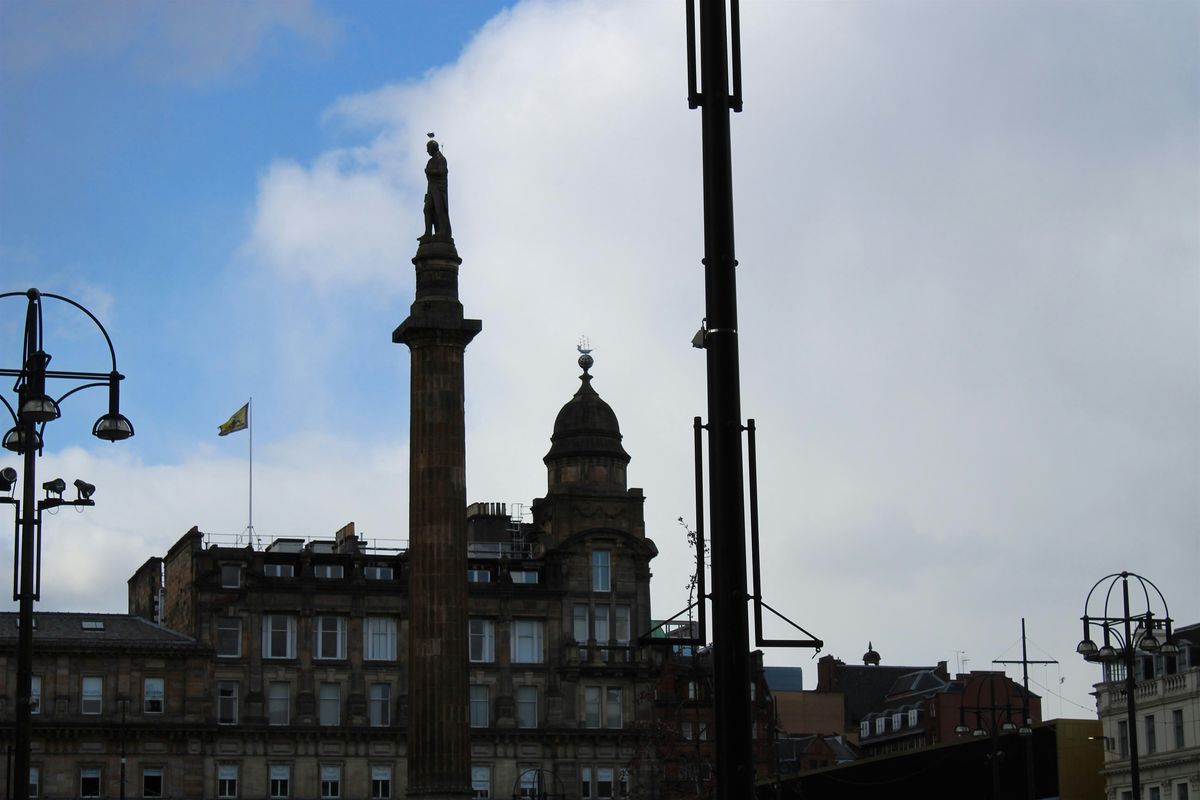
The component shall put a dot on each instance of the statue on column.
(437, 208)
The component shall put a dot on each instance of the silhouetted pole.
(731, 635)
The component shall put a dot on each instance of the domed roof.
(871, 658)
(586, 425)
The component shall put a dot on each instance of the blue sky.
(969, 283)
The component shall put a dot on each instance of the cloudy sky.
(969, 284)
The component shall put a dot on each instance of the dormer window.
(279, 570)
(328, 571)
(912, 718)
(880, 725)
(897, 721)
(864, 729)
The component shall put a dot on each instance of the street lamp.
(33, 410)
(1129, 638)
(992, 720)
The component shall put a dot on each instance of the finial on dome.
(585, 357)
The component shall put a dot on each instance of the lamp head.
(8, 477)
(18, 441)
(85, 489)
(113, 426)
(55, 487)
(1086, 648)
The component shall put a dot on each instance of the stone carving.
(437, 208)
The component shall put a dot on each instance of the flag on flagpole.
(238, 422)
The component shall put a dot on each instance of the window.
(1181, 791)
(601, 575)
(612, 708)
(330, 709)
(600, 626)
(864, 729)
(381, 783)
(604, 782)
(621, 625)
(897, 721)
(328, 571)
(702, 731)
(91, 624)
(331, 782)
(279, 636)
(685, 730)
(330, 637)
(579, 621)
(912, 718)
(483, 641)
(227, 702)
(279, 570)
(1155, 793)
(527, 641)
(379, 639)
(880, 724)
(691, 690)
(623, 782)
(527, 707)
(89, 781)
(153, 693)
(603, 707)
(231, 576)
(481, 783)
(480, 716)
(377, 573)
(229, 637)
(585, 782)
(227, 781)
(528, 783)
(1123, 738)
(152, 782)
(380, 705)
(35, 695)
(1150, 744)
(92, 697)
(1177, 724)
(35, 782)
(279, 703)
(281, 781)
(524, 576)
(479, 576)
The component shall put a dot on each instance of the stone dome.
(585, 448)
(586, 426)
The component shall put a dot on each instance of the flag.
(238, 422)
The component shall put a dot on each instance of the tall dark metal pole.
(36, 365)
(1130, 688)
(734, 752)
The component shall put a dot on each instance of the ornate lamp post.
(992, 720)
(1131, 632)
(33, 410)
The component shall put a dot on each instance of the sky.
(969, 286)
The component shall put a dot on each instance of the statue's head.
(432, 147)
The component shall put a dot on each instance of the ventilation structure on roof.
(91, 624)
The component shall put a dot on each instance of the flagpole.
(250, 514)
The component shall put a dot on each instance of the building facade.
(244, 671)
(1167, 716)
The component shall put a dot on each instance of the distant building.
(1167, 708)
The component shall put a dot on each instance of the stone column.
(439, 735)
